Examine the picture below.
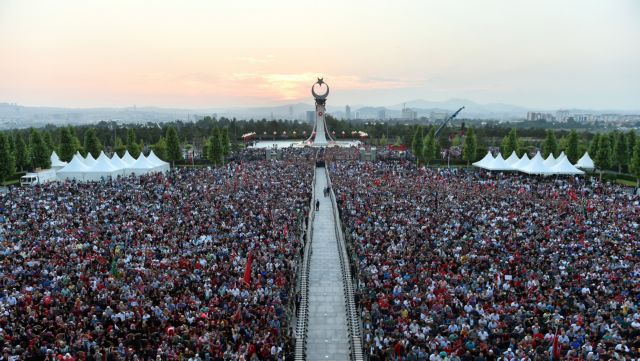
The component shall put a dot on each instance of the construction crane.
(447, 121)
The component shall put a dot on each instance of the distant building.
(357, 115)
(408, 114)
(347, 112)
(382, 114)
(562, 115)
(290, 112)
(311, 116)
(534, 116)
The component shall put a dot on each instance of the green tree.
(77, 145)
(510, 143)
(67, 144)
(417, 143)
(430, 148)
(92, 143)
(160, 148)
(224, 140)
(619, 156)
(40, 152)
(603, 157)
(7, 161)
(594, 146)
(132, 145)
(119, 147)
(174, 153)
(572, 151)
(634, 165)
(215, 147)
(631, 143)
(22, 155)
(48, 140)
(470, 146)
(384, 141)
(550, 145)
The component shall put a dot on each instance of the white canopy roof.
(102, 165)
(141, 166)
(117, 162)
(153, 158)
(498, 163)
(550, 161)
(585, 162)
(524, 160)
(484, 161)
(128, 159)
(55, 161)
(513, 158)
(76, 165)
(75, 169)
(563, 166)
(89, 160)
(536, 166)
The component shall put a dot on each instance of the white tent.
(119, 164)
(160, 165)
(76, 169)
(521, 163)
(497, 164)
(141, 166)
(89, 160)
(550, 161)
(563, 166)
(128, 159)
(536, 166)
(513, 158)
(56, 163)
(585, 162)
(101, 169)
(484, 161)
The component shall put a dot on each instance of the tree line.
(611, 151)
(22, 151)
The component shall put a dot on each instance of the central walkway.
(327, 337)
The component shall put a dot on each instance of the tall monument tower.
(322, 137)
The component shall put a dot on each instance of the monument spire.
(322, 137)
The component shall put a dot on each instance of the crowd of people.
(463, 265)
(197, 264)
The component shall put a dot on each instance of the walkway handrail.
(303, 311)
(355, 334)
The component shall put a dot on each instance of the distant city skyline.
(201, 54)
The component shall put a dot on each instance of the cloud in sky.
(541, 53)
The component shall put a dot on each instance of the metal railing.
(353, 318)
(302, 323)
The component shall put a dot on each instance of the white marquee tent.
(563, 166)
(101, 169)
(128, 159)
(56, 163)
(484, 161)
(119, 164)
(521, 163)
(536, 166)
(160, 165)
(141, 166)
(513, 158)
(585, 162)
(550, 161)
(498, 164)
(76, 169)
(89, 160)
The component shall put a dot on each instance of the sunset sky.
(543, 54)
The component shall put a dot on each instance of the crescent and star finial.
(321, 96)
